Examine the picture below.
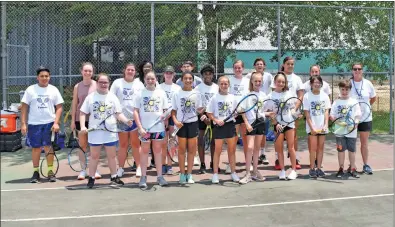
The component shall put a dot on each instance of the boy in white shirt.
(42, 103)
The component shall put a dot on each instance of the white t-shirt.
(266, 82)
(42, 102)
(363, 91)
(169, 90)
(294, 84)
(273, 107)
(207, 91)
(221, 106)
(341, 107)
(186, 104)
(325, 87)
(125, 91)
(238, 87)
(99, 107)
(151, 105)
(196, 81)
(316, 105)
(252, 114)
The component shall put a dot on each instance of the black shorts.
(78, 125)
(365, 127)
(284, 130)
(226, 131)
(202, 125)
(319, 134)
(259, 129)
(239, 120)
(189, 130)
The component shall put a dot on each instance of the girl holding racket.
(363, 90)
(255, 135)
(296, 89)
(185, 104)
(125, 89)
(150, 104)
(81, 90)
(316, 106)
(280, 94)
(170, 88)
(208, 89)
(239, 88)
(219, 108)
(100, 105)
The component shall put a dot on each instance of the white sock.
(114, 175)
(262, 151)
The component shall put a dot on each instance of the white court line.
(80, 187)
(194, 209)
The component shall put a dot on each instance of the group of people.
(143, 99)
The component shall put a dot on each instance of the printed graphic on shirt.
(317, 108)
(238, 89)
(151, 104)
(168, 95)
(101, 110)
(224, 109)
(342, 110)
(127, 93)
(207, 97)
(187, 105)
(42, 101)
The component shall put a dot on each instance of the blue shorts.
(109, 144)
(153, 136)
(132, 128)
(267, 126)
(39, 135)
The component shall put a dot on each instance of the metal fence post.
(4, 53)
(153, 33)
(391, 72)
(61, 90)
(278, 37)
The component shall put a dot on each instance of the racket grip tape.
(175, 132)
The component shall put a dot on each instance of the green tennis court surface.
(367, 201)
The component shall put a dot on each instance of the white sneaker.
(235, 178)
(293, 175)
(215, 179)
(228, 170)
(246, 179)
(251, 168)
(138, 172)
(120, 172)
(82, 175)
(190, 180)
(196, 161)
(97, 175)
(282, 175)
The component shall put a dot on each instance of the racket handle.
(175, 132)
(53, 136)
(74, 134)
(90, 129)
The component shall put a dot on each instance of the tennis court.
(329, 201)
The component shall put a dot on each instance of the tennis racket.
(172, 149)
(295, 106)
(266, 103)
(112, 124)
(246, 104)
(189, 110)
(345, 124)
(47, 166)
(77, 157)
(157, 121)
(129, 157)
(207, 138)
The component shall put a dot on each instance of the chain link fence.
(62, 35)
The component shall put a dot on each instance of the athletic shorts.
(365, 127)
(132, 128)
(284, 129)
(346, 143)
(78, 125)
(202, 125)
(259, 129)
(109, 144)
(153, 136)
(226, 131)
(189, 130)
(39, 135)
(239, 120)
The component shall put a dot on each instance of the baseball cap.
(169, 69)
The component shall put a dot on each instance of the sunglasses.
(357, 69)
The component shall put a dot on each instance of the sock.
(276, 156)
(262, 151)
(35, 169)
(50, 168)
(113, 175)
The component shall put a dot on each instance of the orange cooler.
(10, 122)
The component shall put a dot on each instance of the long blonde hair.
(251, 86)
